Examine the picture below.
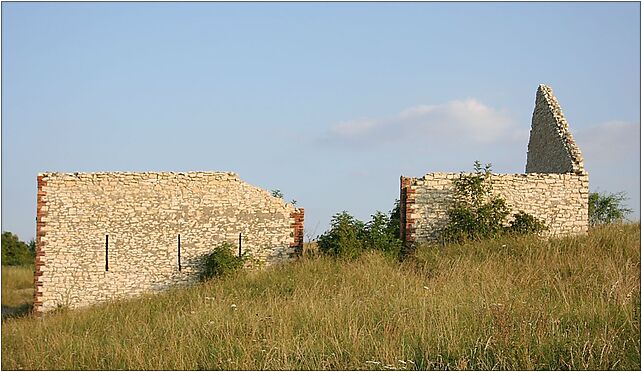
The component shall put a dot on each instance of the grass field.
(17, 290)
(513, 303)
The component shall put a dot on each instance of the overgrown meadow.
(515, 302)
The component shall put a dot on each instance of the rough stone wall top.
(551, 148)
(559, 200)
(554, 189)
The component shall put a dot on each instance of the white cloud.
(611, 152)
(611, 142)
(457, 121)
(353, 128)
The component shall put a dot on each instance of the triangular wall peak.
(554, 190)
(551, 147)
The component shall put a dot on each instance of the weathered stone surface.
(554, 189)
(561, 201)
(551, 147)
(142, 215)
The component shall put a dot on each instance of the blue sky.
(328, 102)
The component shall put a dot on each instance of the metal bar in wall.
(240, 242)
(179, 252)
(106, 252)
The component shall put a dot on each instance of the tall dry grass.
(514, 303)
(17, 290)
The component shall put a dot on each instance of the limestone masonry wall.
(554, 188)
(551, 147)
(560, 200)
(102, 236)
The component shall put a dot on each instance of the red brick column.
(297, 233)
(406, 208)
(40, 244)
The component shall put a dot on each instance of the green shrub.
(345, 237)
(525, 223)
(349, 237)
(607, 208)
(222, 261)
(394, 222)
(382, 235)
(16, 252)
(478, 214)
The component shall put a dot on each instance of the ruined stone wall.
(551, 147)
(560, 200)
(102, 236)
(554, 188)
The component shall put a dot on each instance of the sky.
(328, 102)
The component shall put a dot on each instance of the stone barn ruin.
(554, 188)
(101, 236)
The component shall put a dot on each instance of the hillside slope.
(514, 303)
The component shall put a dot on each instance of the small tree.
(607, 208)
(394, 224)
(349, 237)
(345, 237)
(32, 247)
(478, 214)
(14, 251)
(381, 236)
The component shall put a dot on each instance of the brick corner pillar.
(297, 230)
(406, 209)
(41, 214)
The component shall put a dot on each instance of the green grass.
(514, 303)
(17, 290)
